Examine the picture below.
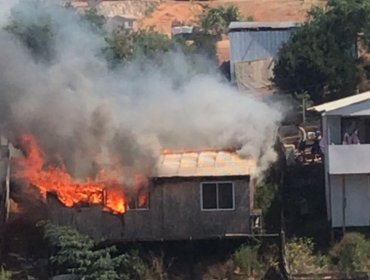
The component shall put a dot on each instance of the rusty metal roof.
(203, 163)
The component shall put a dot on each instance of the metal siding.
(254, 45)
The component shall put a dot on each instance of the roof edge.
(262, 25)
(341, 103)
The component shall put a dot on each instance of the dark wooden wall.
(174, 214)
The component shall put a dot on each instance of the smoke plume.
(89, 116)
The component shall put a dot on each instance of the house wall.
(174, 214)
(353, 193)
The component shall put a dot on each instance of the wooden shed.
(194, 195)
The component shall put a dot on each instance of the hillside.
(260, 10)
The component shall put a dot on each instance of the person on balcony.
(346, 138)
(302, 142)
(315, 149)
(354, 138)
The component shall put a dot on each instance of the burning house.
(194, 195)
(90, 136)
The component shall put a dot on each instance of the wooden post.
(7, 190)
(304, 110)
(344, 203)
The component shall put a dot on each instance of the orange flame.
(105, 191)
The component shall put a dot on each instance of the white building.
(347, 165)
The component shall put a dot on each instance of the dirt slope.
(260, 10)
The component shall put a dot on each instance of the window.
(217, 196)
(140, 201)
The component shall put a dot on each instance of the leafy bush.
(351, 253)
(217, 20)
(77, 254)
(4, 275)
(300, 257)
(247, 260)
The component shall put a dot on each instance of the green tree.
(320, 57)
(95, 19)
(37, 35)
(124, 45)
(217, 20)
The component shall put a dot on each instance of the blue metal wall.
(254, 45)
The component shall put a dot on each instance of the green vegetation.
(300, 257)
(351, 254)
(78, 254)
(151, 8)
(247, 260)
(4, 275)
(265, 195)
(37, 35)
(125, 44)
(216, 20)
(95, 20)
(320, 57)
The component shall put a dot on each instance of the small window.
(139, 201)
(217, 196)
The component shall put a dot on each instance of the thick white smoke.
(80, 110)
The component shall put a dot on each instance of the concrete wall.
(174, 214)
(352, 192)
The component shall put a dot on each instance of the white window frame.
(217, 182)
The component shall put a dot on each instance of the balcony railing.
(349, 159)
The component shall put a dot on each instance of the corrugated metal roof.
(252, 25)
(340, 103)
(204, 163)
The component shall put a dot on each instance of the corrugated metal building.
(253, 48)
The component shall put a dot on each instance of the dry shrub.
(300, 257)
(351, 253)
